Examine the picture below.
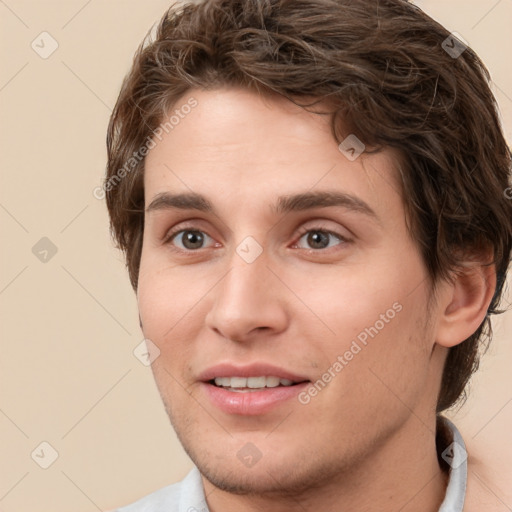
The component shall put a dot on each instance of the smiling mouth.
(250, 384)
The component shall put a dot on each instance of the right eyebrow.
(183, 201)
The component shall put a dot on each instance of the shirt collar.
(452, 450)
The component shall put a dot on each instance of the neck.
(402, 474)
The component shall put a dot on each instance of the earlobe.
(466, 303)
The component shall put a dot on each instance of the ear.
(464, 302)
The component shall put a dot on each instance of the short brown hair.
(386, 71)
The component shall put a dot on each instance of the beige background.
(69, 325)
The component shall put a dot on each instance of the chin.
(264, 479)
(280, 471)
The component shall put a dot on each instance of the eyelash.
(321, 229)
(302, 231)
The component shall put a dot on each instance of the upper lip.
(250, 370)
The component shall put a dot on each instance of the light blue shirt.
(188, 495)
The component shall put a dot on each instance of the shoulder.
(185, 495)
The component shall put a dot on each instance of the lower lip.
(251, 403)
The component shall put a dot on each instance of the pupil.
(318, 240)
(193, 240)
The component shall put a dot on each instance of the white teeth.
(251, 382)
(256, 382)
(272, 382)
(238, 382)
(223, 381)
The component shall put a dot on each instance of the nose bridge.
(247, 280)
(247, 298)
(247, 260)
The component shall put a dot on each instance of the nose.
(250, 299)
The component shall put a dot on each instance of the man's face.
(331, 297)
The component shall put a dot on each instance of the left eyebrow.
(323, 199)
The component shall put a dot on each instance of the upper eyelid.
(302, 230)
(191, 226)
(343, 239)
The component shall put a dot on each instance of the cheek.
(349, 301)
(386, 355)
(158, 305)
(165, 313)
(173, 303)
(375, 319)
(166, 296)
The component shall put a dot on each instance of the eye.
(190, 239)
(318, 238)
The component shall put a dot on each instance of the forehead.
(235, 141)
(234, 117)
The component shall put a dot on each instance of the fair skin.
(488, 486)
(365, 441)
